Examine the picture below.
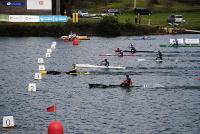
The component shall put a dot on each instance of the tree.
(154, 1)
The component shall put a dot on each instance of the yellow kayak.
(44, 72)
(78, 37)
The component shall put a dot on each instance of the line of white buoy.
(41, 67)
(8, 121)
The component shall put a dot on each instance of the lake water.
(168, 101)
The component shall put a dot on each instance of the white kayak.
(176, 60)
(98, 66)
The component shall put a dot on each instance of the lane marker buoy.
(49, 50)
(32, 87)
(41, 67)
(53, 45)
(48, 55)
(38, 76)
(8, 122)
(40, 61)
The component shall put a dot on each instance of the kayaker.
(70, 36)
(159, 55)
(120, 53)
(74, 69)
(118, 49)
(128, 82)
(144, 37)
(176, 42)
(133, 50)
(104, 63)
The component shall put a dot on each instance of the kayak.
(98, 66)
(142, 38)
(44, 72)
(180, 46)
(109, 86)
(116, 55)
(78, 37)
(149, 60)
(138, 51)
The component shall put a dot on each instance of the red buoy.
(199, 78)
(55, 127)
(75, 41)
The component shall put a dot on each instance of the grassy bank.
(91, 28)
(160, 19)
(125, 24)
(108, 26)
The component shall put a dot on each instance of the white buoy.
(8, 122)
(48, 55)
(54, 42)
(41, 67)
(49, 50)
(40, 61)
(38, 76)
(32, 87)
(53, 45)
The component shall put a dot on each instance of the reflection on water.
(167, 102)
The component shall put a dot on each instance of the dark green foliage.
(108, 26)
(189, 1)
(131, 29)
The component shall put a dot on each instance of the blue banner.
(13, 3)
(53, 18)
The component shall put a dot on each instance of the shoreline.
(60, 29)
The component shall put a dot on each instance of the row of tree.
(190, 1)
(183, 1)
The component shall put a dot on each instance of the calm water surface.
(168, 101)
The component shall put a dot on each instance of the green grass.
(192, 19)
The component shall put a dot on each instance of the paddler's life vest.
(127, 82)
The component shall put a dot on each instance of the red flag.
(51, 108)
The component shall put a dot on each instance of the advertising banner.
(54, 18)
(23, 18)
(35, 18)
(39, 4)
(8, 3)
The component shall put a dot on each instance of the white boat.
(98, 66)
(176, 60)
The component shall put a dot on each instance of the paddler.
(74, 69)
(70, 36)
(159, 55)
(144, 37)
(120, 53)
(117, 50)
(133, 50)
(176, 42)
(128, 82)
(104, 63)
